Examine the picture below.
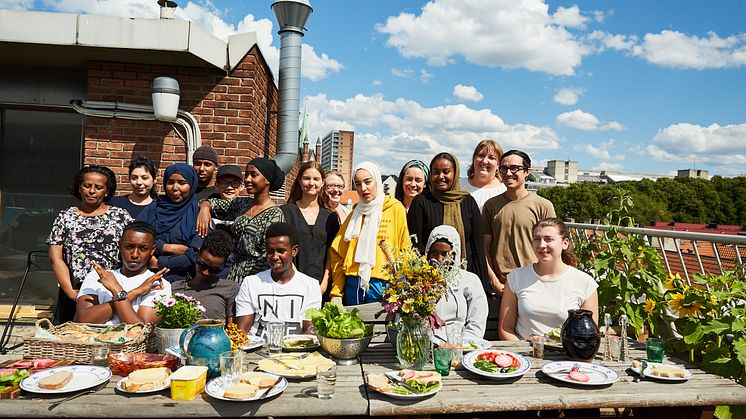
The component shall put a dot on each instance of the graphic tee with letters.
(269, 301)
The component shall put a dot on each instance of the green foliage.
(178, 311)
(333, 321)
(720, 200)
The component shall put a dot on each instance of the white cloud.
(568, 95)
(376, 83)
(714, 144)
(390, 132)
(425, 76)
(608, 166)
(406, 73)
(585, 121)
(569, 17)
(601, 152)
(206, 15)
(469, 93)
(16, 4)
(507, 34)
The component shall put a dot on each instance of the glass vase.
(412, 343)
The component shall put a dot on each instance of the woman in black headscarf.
(250, 216)
(174, 219)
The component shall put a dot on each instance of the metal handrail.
(657, 238)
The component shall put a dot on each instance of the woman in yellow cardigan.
(357, 262)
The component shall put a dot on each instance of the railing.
(682, 252)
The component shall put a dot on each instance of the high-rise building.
(564, 171)
(336, 153)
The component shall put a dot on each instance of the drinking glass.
(231, 366)
(100, 355)
(537, 343)
(326, 377)
(615, 347)
(442, 360)
(455, 338)
(655, 348)
(275, 335)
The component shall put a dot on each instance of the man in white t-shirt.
(127, 294)
(280, 293)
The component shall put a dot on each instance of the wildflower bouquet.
(415, 286)
(178, 311)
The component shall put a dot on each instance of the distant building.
(563, 171)
(310, 155)
(336, 153)
(389, 184)
(693, 173)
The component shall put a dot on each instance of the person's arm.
(175, 249)
(493, 282)
(337, 253)
(416, 222)
(204, 218)
(477, 258)
(591, 303)
(182, 263)
(245, 322)
(477, 308)
(62, 271)
(508, 315)
(306, 327)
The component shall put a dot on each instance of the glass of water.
(231, 366)
(326, 377)
(275, 335)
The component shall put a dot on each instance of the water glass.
(537, 343)
(655, 348)
(275, 335)
(100, 355)
(455, 338)
(326, 377)
(442, 360)
(615, 347)
(231, 366)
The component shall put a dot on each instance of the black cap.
(230, 170)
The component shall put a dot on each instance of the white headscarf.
(449, 234)
(366, 233)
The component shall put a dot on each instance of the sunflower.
(649, 306)
(684, 310)
(671, 281)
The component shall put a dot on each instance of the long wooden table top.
(462, 392)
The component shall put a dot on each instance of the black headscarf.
(269, 169)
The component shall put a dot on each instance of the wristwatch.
(121, 295)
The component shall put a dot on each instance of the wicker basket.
(34, 347)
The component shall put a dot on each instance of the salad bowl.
(345, 351)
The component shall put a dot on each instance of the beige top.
(510, 223)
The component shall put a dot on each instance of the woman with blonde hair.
(483, 179)
(357, 261)
(335, 188)
(537, 296)
(314, 223)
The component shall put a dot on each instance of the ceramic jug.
(580, 335)
(203, 343)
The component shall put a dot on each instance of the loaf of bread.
(668, 371)
(56, 381)
(240, 391)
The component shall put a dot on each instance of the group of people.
(250, 260)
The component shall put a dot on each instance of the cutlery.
(283, 363)
(395, 379)
(264, 394)
(76, 395)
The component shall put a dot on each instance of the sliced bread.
(240, 391)
(146, 379)
(55, 381)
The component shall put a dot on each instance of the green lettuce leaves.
(333, 321)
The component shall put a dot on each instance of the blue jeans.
(354, 295)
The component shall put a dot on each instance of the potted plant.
(176, 313)
(415, 287)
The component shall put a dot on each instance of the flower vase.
(412, 343)
(166, 338)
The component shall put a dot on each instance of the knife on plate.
(395, 379)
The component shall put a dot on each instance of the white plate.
(254, 342)
(84, 376)
(598, 374)
(408, 396)
(649, 374)
(468, 362)
(312, 347)
(216, 389)
(155, 390)
(478, 342)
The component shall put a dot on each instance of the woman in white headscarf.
(465, 304)
(357, 262)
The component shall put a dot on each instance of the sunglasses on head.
(212, 269)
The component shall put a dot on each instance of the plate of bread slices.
(254, 385)
(405, 384)
(663, 372)
(147, 380)
(66, 379)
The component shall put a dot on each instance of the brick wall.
(230, 109)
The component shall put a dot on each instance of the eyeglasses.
(513, 169)
(212, 269)
(333, 187)
(235, 184)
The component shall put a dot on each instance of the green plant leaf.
(715, 326)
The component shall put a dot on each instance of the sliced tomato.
(7, 371)
(23, 364)
(424, 375)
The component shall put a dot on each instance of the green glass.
(656, 348)
(442, 360)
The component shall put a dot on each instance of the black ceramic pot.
(580, 335)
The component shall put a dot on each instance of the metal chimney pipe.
(291, 16)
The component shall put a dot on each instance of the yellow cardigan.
(393, 230)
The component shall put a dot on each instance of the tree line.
(719, 200)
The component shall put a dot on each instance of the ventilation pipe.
(168, 9)
(291, 16)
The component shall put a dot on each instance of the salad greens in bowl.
(342, 334)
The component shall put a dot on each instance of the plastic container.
(188, 382)
(122, 364)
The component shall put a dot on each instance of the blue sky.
(642, 86)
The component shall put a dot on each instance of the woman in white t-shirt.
(537, 297)
(483, 180)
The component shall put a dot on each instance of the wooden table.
(464, 391)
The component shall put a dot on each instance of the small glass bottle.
(607, 328)
(625, 344)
